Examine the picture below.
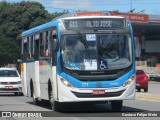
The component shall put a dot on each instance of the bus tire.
(139, 89)
(21, 94)
(146, 89)
(117, 105)
(52, 102)
(35, 100)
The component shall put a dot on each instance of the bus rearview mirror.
(55, 45)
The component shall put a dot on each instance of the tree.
(9, 50)
(14, 19)
(18, 17)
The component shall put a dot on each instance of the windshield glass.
(139, 72)
(96, 51)
(8, 73)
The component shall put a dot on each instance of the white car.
(10, 81)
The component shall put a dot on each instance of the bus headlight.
(129, 81)
(65, 82)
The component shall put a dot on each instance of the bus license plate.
(98, 92)
(8, 87)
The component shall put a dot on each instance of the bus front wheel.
(54, 104)
(117, 105)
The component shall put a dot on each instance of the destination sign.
(98, 23)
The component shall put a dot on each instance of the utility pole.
(131, 5)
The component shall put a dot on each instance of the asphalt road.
(154, 87)
(144, 102)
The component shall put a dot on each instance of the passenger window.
(41, 48)
(48, 44)
(36, 46)
(30, 51)
(24, 49)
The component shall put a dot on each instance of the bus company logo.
(6, 114)
(98, 84)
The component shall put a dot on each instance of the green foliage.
(9, 50)
(18, 17)
(14, 19)
(57, 14)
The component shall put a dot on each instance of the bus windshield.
(96, 51)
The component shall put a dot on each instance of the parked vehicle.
(141, 81)
(155, 77)
(10, 81)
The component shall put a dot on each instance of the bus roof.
(55, 22)
(83, 17)
(39, 28)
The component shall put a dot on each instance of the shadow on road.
(77, 108)
(9, 95)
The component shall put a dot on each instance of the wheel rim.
(51, 100)
(34, 98)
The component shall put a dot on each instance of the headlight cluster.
(65, 82)
(19, 82)
(129, 81)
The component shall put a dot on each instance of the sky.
(150, 6)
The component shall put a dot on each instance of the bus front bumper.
(68, 94)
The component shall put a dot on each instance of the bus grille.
(8, 83)
(90, 95)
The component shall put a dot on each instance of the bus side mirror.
(55, 43)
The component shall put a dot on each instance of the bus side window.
(27, 48)
(41, 47)
(49, 43)
(24, 48)
(28, 45)
(30, 49)
(46, 44)
(36, 46)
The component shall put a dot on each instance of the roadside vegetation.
(14, 19)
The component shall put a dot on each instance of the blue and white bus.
(79, 59)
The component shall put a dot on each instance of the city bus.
(86, 59)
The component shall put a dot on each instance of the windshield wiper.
(83, 40)
(108, 38)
